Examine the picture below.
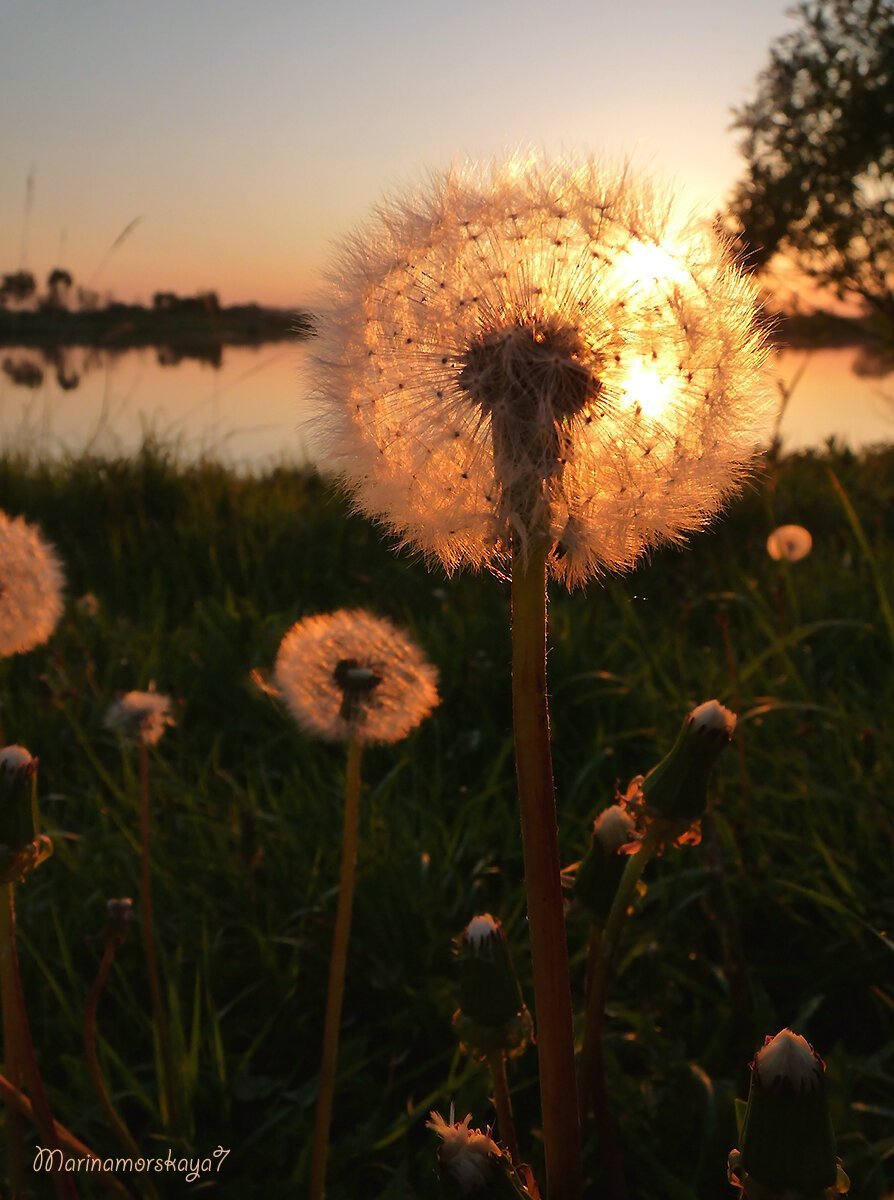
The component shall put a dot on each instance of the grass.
(783, 916)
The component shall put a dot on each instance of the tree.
(819, 148)
(18, 287)
(59, 283)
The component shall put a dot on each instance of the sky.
(246, 137)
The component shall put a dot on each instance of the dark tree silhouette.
(59, 283)
(819, 148)
(18, 287)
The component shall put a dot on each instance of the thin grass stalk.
(337, 965)
(16, 1100)
(23, 1051)
(116, 1121)
(159, 1017)
(15, 1132)
(592, 1089)
(540, 841)
(496, 1061)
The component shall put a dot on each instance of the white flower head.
(143, 716)
(350, 674)
(468, 1156)
(533, 348)
(789, 542)
(790, 1057)
(479, 929)
(712, 717)
(31, 582)
(16, 759)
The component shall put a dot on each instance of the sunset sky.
(247, 136)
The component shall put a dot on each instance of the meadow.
(784, 915)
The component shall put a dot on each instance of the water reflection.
(248, 405)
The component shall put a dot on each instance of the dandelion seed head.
(789, 542)
(31, 583)
(16, 759)
(350, 674)
(615, 828)
(479, 929)
(531, 349)
(143, 716)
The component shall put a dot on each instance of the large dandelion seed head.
(31, 583)
(349, 674)
(531, 349)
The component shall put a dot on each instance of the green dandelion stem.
(636, 865)
(540, 840)
(17, 1101)
(496, 1061)
(337, 964)
(22, 1046)
(147, 919)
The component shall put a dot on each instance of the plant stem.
(337, 964)
(605, 965)
(15, 1099)
(540, 842)
(496, 1060)
(116, 1121)
(14, 1129)
(591, 1080)
(23, 1047)
(147, 920)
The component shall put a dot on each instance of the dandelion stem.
(540, 840)
(13, 1067)
(147, 919)
(23, 1047)
(591, 1081)
(93, 1066)
(503, 1104)
(337, 964)
(16, 1100)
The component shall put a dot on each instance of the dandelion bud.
(471, 1163)
(677, 788)
(141, 716)
(788, 1147)
(492, 1015)
(22, 847)
(120, 913)
(601, 868)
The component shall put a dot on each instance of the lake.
(247, 411)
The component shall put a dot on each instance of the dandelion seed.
(143, 716)
(534, 349)
(789, 542)
(349, 674)
(31, 582)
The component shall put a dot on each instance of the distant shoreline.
(129, 326)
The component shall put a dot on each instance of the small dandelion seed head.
(615, 828)
(142, 716)
(15, 760)
(534, 349)
(31, 583)
(790, 543)
(350, 674)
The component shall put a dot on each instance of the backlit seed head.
(789, 542)
(539, 350)
(350, 674)
(141, 716)
(31, 582)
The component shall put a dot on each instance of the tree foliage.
(819, 148)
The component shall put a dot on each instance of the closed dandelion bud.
(470, 1163)
(677, 789)
(492, 1015)
(599, 873)
(21, 845)
(788, 1147)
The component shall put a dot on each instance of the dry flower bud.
(492, 1014)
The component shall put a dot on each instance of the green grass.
(783, 916)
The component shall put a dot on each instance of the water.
(248, 410)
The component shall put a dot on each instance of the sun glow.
(650, 388)
(647, 266)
